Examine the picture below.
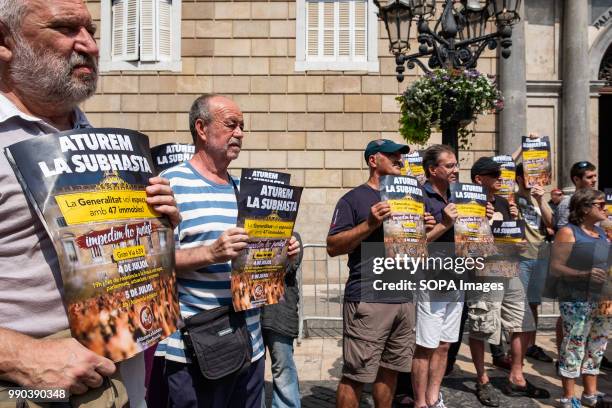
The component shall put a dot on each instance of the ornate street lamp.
(458, 38)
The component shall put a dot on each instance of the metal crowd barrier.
(320, 294)
(322, 290)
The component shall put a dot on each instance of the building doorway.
(605, 139)
(605, 122)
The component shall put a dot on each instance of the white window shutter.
(132, 32)
(312, 28)
(118, 29)
(164, 32)
(360, 29)
(344, 28)
(329, 28)
(125, 30)
(147, 30)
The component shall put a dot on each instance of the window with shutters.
(140, 35)
(336, 35)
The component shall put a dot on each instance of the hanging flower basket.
(447, 98)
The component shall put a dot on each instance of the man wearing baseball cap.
(378, 338)
(508, 310)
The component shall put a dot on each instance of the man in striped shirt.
(206, 241)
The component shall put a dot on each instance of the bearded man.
(48, 65)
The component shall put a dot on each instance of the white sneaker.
(439, 403)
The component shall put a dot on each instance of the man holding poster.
(48, 66)
(378, 337)
(507, 310)
(207, 240)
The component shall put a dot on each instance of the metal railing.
(324, 293)
(321, 294)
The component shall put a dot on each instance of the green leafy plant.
(446, 98)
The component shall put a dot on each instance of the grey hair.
(12, 13)
(199, 110)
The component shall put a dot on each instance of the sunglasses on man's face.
(600, 204)
(494, 175)
(583, 164)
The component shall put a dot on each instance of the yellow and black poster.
(536, 161)
(508, 177)
(413, 166)
(472, 231)
(116, 253)
(405, 229)
(267, 210)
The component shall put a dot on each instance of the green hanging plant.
(447, 98)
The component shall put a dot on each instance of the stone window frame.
(107, 64)
(371, 64)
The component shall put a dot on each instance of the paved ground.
(319, 363)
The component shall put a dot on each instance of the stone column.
(513, 119)
(575, 137)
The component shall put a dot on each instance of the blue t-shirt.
(207, 210)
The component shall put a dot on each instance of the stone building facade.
(314, 120)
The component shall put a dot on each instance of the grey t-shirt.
(561, 216)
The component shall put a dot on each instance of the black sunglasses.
(583, 164)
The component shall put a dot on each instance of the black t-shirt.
(501, 206)
(353, 209)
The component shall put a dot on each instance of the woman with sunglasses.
(579, 259)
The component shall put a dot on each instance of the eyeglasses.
(601, 205)
(450, 166)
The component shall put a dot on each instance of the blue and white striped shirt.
(207, 210)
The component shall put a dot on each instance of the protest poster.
(116, 254)
(536, 161)
(608, 192)
(265, 175)
(508, 232)
(413, 166)
(404, 231)
(472, 231)
(267, 211)
(170, 154)
(507, 235)
(608, 225)
(508, 177)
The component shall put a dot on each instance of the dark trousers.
(187, 388)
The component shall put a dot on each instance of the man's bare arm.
(346, 241)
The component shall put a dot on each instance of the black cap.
(384, 146)
(485, 166)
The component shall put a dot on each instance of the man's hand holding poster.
(267, 209)
(116, 253)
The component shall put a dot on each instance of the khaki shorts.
(377, 335)
(490, 312)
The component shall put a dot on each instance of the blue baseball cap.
(384, 146)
